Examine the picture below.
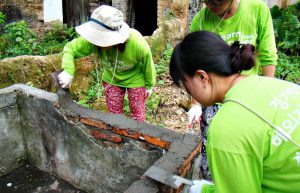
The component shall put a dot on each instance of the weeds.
(18, 39)
(287, 32)
(2, 18)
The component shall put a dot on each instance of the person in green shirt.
(253, 141)
(247, 21)
(125, 57)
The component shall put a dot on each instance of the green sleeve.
(195, 23)
(208, 188)
(149, 69)
(77, 48)
(267, 52)
(233, 172)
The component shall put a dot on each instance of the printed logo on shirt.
(292, 121)
(243, 38)
(119, 65)
(297, 158)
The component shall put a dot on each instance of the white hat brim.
(100, 36)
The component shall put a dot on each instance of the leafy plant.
(18, 39)
(162, 66)
(95, 90)
(287, 33)
(55, 39)
(152, 106)
(287, 28)
(2, 18)
(288, 68)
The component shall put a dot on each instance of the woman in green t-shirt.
(124, 56)
(253, 140)
(246, 21)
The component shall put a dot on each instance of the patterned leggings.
(115, 100)
(207, 115)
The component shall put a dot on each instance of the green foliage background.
(287, 32)
(18, 39)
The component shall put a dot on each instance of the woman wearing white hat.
(124, 55)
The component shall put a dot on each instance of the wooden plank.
(76, 12)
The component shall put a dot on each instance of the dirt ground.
(173, 107)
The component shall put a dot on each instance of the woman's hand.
(65, 79)
(148, 93)
(194, 115)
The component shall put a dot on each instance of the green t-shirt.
(131, 68)
(251, 24)
(245, 154)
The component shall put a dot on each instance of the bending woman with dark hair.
(247, 21)
(253, 140)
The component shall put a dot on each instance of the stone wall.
(31, 70)
(123, 6)
(22, 9)
(12, 144)
(163, 10)
(94, 151)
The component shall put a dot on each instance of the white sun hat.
(105, 28)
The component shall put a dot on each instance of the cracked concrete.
(92, 150)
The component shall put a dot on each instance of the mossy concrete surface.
(36, 71)
(31, 70)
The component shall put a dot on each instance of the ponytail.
(209, 52)
(242, 57)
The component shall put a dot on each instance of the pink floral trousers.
(136, 96)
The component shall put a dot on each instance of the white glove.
(194, 114)
(198, 185)
(148, 93)
(65, 79)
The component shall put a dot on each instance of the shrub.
(2, 18)
(287, 28)
(18, 39)
(287, 33)
(288, 68)
(55, 39)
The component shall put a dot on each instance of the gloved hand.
(148, 93)
(194, 114)
(198, 185)
(65, 79)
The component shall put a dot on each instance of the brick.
(126, 132)
(94, 123)
(109, 137)
(136, 135)
(187, 161)
(186, 169)
(156, 141)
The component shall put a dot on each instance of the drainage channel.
(29, 179)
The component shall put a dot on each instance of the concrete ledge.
(94, 151)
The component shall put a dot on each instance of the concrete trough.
(94, 151)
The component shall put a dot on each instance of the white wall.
(271, 3)
(53, 10)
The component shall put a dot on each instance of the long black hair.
(207, 51)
